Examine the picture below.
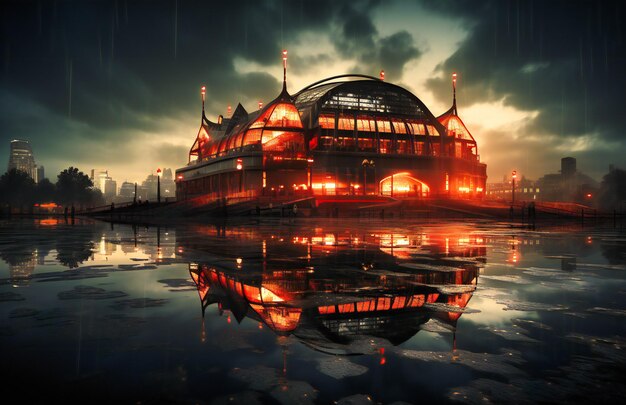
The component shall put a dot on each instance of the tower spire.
(203, 92)
(454, 93)
(284, 70)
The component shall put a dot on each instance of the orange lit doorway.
(403, 185)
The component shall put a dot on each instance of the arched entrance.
(403, 185)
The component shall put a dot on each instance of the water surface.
(312, 312)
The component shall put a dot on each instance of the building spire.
(203, 93)
(284, 70)
(454, 93)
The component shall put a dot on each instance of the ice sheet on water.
(608, 311)
(139, 303)
(486, 391)
(503, 364)
(339, 367)
(511, 305)
(228, 341)
(23, 312)
(262, 378)
(455, 288)
(90, 293)
(127, 267)
(11, 296)
(507, 279)
(512, 332)
(294, 392)
(612, 347)
(437, 326)
(529, 323)
(443, 307)
(605, 266)
(257, 377)
(356, 399)
(178, 283)
(80, 273)
(430, 267)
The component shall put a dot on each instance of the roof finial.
(382, 75)
(284, 69)
(454, 93)
(229, 110)
(203, 92)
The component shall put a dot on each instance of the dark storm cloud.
(360, 39)
(94, 61)
(564, 59)
(98, 70)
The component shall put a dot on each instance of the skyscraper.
(21, 158)
(40, 173)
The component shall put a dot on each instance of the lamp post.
(240, 168)
(513, 177)
(159, 185)
(366, 163)
(310, 174)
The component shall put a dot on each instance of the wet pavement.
(312, 311)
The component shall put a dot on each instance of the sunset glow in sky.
(115, 84)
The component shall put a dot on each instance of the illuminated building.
(333, 310)
(21, 158)
(345, 135)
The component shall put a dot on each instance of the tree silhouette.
(16, 188)
(613, 190)
(74, 187)
(45, 191)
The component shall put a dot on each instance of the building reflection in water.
(337, 292)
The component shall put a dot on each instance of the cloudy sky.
(115, 84)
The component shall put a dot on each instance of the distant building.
(568, 166)
(570, 185)
(168, 186)
(21, 158)
(525, 190)
(127, 191)
(40, 174)
(103, 182)
(110, 188)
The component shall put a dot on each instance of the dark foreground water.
(311, 312)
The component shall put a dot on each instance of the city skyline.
(126, 95)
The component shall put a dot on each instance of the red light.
(239, 164)
(203, 90)
(229, 110)
(514, 174)
(260, 105)
(588, 195)
(382, 75)
(159, 171)
(310, 160)
(180, 177)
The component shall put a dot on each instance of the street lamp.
(310, 174)
(366, 163)
(513, 177)
(159, 185)
(240, 168)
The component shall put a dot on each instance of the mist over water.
(312, 311)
